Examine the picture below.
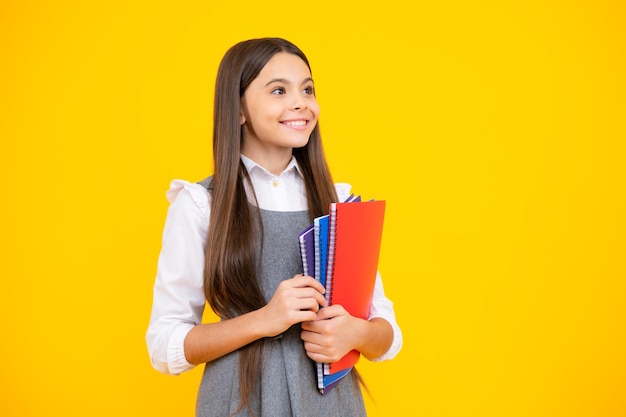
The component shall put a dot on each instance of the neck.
(274, 162)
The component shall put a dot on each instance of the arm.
(176, 339)
(295, 300)
(178, 295)
(378, 338)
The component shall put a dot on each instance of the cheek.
(271, 110)
(314, 107)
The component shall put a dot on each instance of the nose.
(299, 104)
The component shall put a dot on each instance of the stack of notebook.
(341, 251)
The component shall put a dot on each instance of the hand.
(296, 300)
(331, 335)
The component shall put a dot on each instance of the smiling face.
(279, 110)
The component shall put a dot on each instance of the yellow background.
(494, 130)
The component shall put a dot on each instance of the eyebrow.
(285, 81)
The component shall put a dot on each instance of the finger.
(317, 356)
(330, 312)
(309, 303)
(310, 293)
(317, 326)
(311, 337)
(302, 316)
(307, 281)
(312, 347)
(320, 299)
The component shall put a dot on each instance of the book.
(320, 249)
(321, 231)
(313, 242)
(323, 246)
(320, 227)
(310, 248)
(355, 235)
(329, 382)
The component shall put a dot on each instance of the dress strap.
(207, 183)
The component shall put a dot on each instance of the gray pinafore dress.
(288, 385)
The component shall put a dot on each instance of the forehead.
(285, 66)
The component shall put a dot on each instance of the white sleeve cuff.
(176, 359)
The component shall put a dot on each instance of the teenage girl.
(231, 241)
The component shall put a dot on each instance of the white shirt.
(179, 300)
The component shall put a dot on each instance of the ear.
(242, 118)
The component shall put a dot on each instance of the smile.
(295, 123)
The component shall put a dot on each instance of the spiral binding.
(316, 237)
(305, 264)
(332, 232)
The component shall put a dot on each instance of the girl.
(231, 240)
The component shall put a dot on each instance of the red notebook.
(355, 234)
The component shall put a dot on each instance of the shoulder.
(343, 190)
(189, 192)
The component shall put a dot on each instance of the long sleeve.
(178, 298)
(383, 307)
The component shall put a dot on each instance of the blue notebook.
(320, 227)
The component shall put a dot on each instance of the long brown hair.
(230, 276)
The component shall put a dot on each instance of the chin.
(299, 142)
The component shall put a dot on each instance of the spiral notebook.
(313, 248)
(355, 235)
(341, 251)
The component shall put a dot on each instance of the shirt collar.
(252, 166)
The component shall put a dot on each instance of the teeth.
(296, 123)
